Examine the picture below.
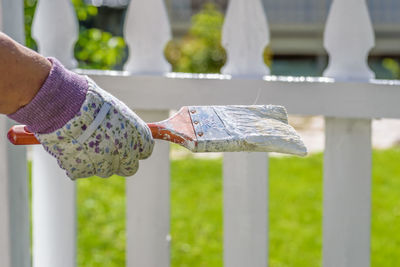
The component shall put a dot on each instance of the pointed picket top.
(55, 29)
(348, 38)
(244, 37)
(147, 31)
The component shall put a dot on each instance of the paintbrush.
(216, 129)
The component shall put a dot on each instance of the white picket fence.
(349, 100)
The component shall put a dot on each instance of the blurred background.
(296, 27)
(296, 48)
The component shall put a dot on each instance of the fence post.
(245, 35)
(347, 162)
(55, 30)
(147, 31)
(14, 205)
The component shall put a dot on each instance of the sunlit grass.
(295, 213)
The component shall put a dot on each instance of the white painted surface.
(299, 95)
(147, 31)
(55, 30)
(14, 206)
(53, 213)
(347, 159)
(12, 19)
(1, 15)
(148, 212)
(245, 209)
(347, 193)
(245, 34)
(348, 38)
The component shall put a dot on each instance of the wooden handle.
(20, 135)
(177, 129)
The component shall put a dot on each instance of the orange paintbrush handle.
(177, 129)
(20, 135)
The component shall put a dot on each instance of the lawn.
(295, 213)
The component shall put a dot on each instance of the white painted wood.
(14, 206)
(147, 31)
(1, 15)
(347, 193)
(245, 209)
(245, 35)
(347, 159)
(12, 19)
(348, 38)
(55, 29)
(53, 213)
(148, 212)
(300, 95)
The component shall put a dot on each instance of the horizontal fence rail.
(300, 95)
(349, 97)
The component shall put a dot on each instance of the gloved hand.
(99, 136)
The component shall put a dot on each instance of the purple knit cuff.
(58, 101)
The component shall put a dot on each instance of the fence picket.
(347, 161)
(147, 31)
(148, 198)
(14, 206)
(55, 30)
(245, 35)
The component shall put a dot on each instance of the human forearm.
(22, 73)
(89, 131)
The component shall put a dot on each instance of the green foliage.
(200, 51)
(29, 11)
(84, 11)
(95, 49)
(295, 213)
(393, 66)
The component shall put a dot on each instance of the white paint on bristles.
(261, 128)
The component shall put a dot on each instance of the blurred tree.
(393, 66)
(200, 51)
(95, 48)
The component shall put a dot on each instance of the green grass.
(295, 214)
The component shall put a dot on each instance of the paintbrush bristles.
(245, 128)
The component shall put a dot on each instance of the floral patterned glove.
(103, 137)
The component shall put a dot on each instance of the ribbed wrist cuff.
(58, 101)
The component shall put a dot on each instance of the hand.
(104, 138)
